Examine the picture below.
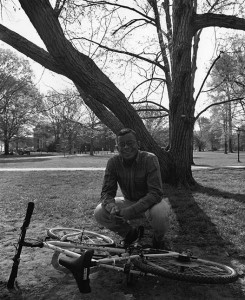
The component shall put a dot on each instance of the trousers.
(157, 216)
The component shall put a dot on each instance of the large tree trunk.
(181, 105)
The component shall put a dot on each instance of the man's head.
(127, 144)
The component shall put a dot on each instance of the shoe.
(133, 234)
(158, 244)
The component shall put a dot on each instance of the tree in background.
(155, 121)
(64, 112)
(208, 136)
(19, 98)
(228, 89)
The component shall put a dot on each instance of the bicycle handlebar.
(16, 258)
(29, 212)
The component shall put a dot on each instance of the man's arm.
(109, 187)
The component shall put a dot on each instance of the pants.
(157, 216)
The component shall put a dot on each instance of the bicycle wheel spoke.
(194, 270)
(80, 236)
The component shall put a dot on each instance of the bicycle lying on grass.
(78, 251)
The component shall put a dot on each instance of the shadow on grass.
(210, 191)
(195, 228)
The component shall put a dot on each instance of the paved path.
(97, 169)
(50, 169)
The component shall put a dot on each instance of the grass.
(208, 220)
(218, 159)
(59, 161)
(212, 216)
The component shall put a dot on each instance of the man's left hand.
(126, 213)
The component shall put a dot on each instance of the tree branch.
(122, 6)
(29, 49)
(217, 58)
(150, 79)
(58, 8)
(217, 103)
(128, 53)
(151, 102)
(153, 4)
(131, 22)
(208, 20)
(166, 7)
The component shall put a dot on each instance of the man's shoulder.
(115, 158)
(146, 154)
(148, 157)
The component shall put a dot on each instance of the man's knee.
(100, 213)
(159, 216)
(161, 209)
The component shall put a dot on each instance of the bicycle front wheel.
(190, 269)
(80, 236)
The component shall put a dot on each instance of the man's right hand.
(115, 210)
(115, 214)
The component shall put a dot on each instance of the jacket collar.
(136, 159)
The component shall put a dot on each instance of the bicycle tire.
(81, 236)
(33, 243)
(195, 270)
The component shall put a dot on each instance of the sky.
(46, 80)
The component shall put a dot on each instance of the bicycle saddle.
(80, 268)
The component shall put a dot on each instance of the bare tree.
(18, 97)
(183, 22)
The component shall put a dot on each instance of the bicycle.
(79, 250)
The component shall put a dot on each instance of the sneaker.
(133, 234)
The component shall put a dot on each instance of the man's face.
(127, 146)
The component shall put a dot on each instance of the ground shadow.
(220, 193)
(193, 222)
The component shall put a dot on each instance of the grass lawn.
(218, 159)
(59, 161)
(208, 220)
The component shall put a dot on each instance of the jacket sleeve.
(154, 193)
(109, 187)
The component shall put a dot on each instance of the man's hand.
(115, 210)
(126, 213)
(115, 214)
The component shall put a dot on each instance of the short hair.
(125, 131)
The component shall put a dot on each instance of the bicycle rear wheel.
(186, 269)
(80, 236)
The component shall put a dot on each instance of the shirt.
(140, 182)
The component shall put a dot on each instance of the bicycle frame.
(59, 246)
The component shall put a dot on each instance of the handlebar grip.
(29, 212)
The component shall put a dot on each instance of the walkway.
(50, 169)
(98, 169)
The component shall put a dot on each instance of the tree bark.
(181, 105)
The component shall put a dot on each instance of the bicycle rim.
(80, 236)
(195, 270)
